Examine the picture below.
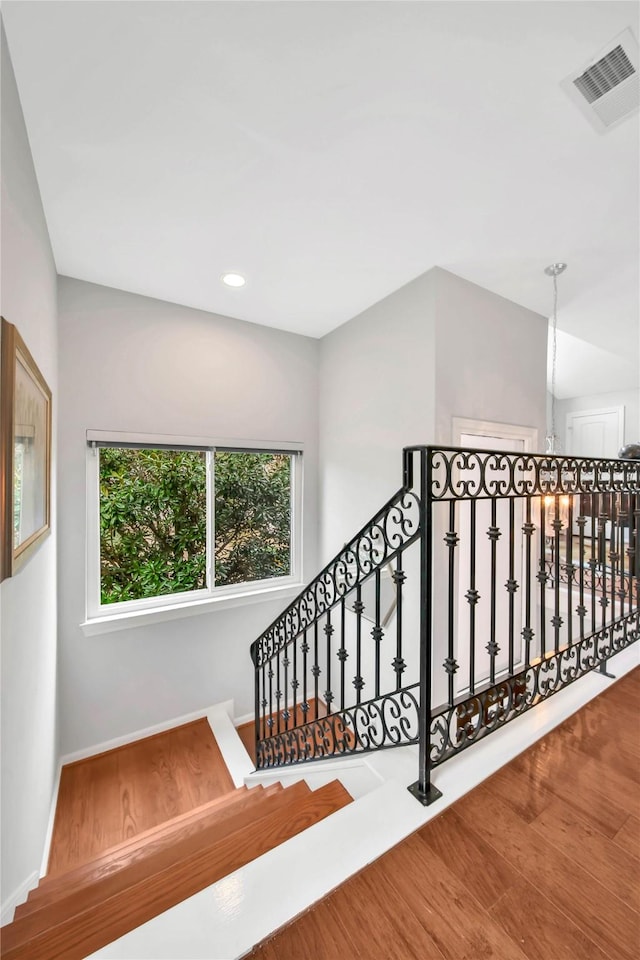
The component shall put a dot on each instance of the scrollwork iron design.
(591, 578)
(470, 474)
(390, 721)
(396, 526)
(456, 728)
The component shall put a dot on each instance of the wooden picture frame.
(25, 453)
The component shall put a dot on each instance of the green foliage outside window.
(153, 520)
(253, 516)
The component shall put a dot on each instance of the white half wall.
(27, 600)
(133, 364)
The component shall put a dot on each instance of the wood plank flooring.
(114, 796)
(247, 731)
(542, 861)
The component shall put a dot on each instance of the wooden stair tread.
(88, 895)
(104, 798)
(89, 918)
(144, 845)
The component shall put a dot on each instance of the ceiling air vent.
(607, 89)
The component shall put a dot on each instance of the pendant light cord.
(554, 354)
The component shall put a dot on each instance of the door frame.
(490, 428)
(504, 431)
(573, 414)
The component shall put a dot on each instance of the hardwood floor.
(247, 731)
(542, 861)
(114, 796)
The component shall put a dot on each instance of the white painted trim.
(489, 428)
(143, 618)
(141, 734)
(295, 772)
(168, 440)
(237, 760)
(107, 618)
(52, 816)
(245, 718)
(17, 897)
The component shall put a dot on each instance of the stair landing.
(114, 796)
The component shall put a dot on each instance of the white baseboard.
(17, 897)
(52, 816)
(245, 718)
(85, 752)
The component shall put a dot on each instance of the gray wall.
(377, 394)
(133, 364)
(398, 373)
(28, 600)
(491, 358)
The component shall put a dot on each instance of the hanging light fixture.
(552, 440)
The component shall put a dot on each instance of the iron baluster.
(253, 651)
(556, 620)
(328, 694)
(285, 689)
(304, 706)
(613, 551)
(377, 632)
(295, 683)
(278, 692)
(542, 577)
(593, 562)
(511, 584)
(270, 716)
(624, 523)
(342, 653)
(494, 534)
(528, 530)
(398, 578)
(636, 547)
(602, 557)
(472, 596)
(358, 607)
(582, 610)
(451, 539)
(569, 569)
(423, 789)
(315, 669)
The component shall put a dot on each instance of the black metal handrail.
(531, 568)
(516, 572)
(295, 719)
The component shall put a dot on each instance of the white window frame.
(102, 618)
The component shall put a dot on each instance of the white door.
(595, 433)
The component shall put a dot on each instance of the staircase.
(73, 914)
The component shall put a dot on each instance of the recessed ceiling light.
(233, 279)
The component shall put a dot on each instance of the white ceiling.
(333, 151)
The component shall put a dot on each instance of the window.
(173, 523)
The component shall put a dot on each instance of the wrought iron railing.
(330, 672)
(490, 581)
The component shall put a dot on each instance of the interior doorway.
(595, 433)
(485, 435)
